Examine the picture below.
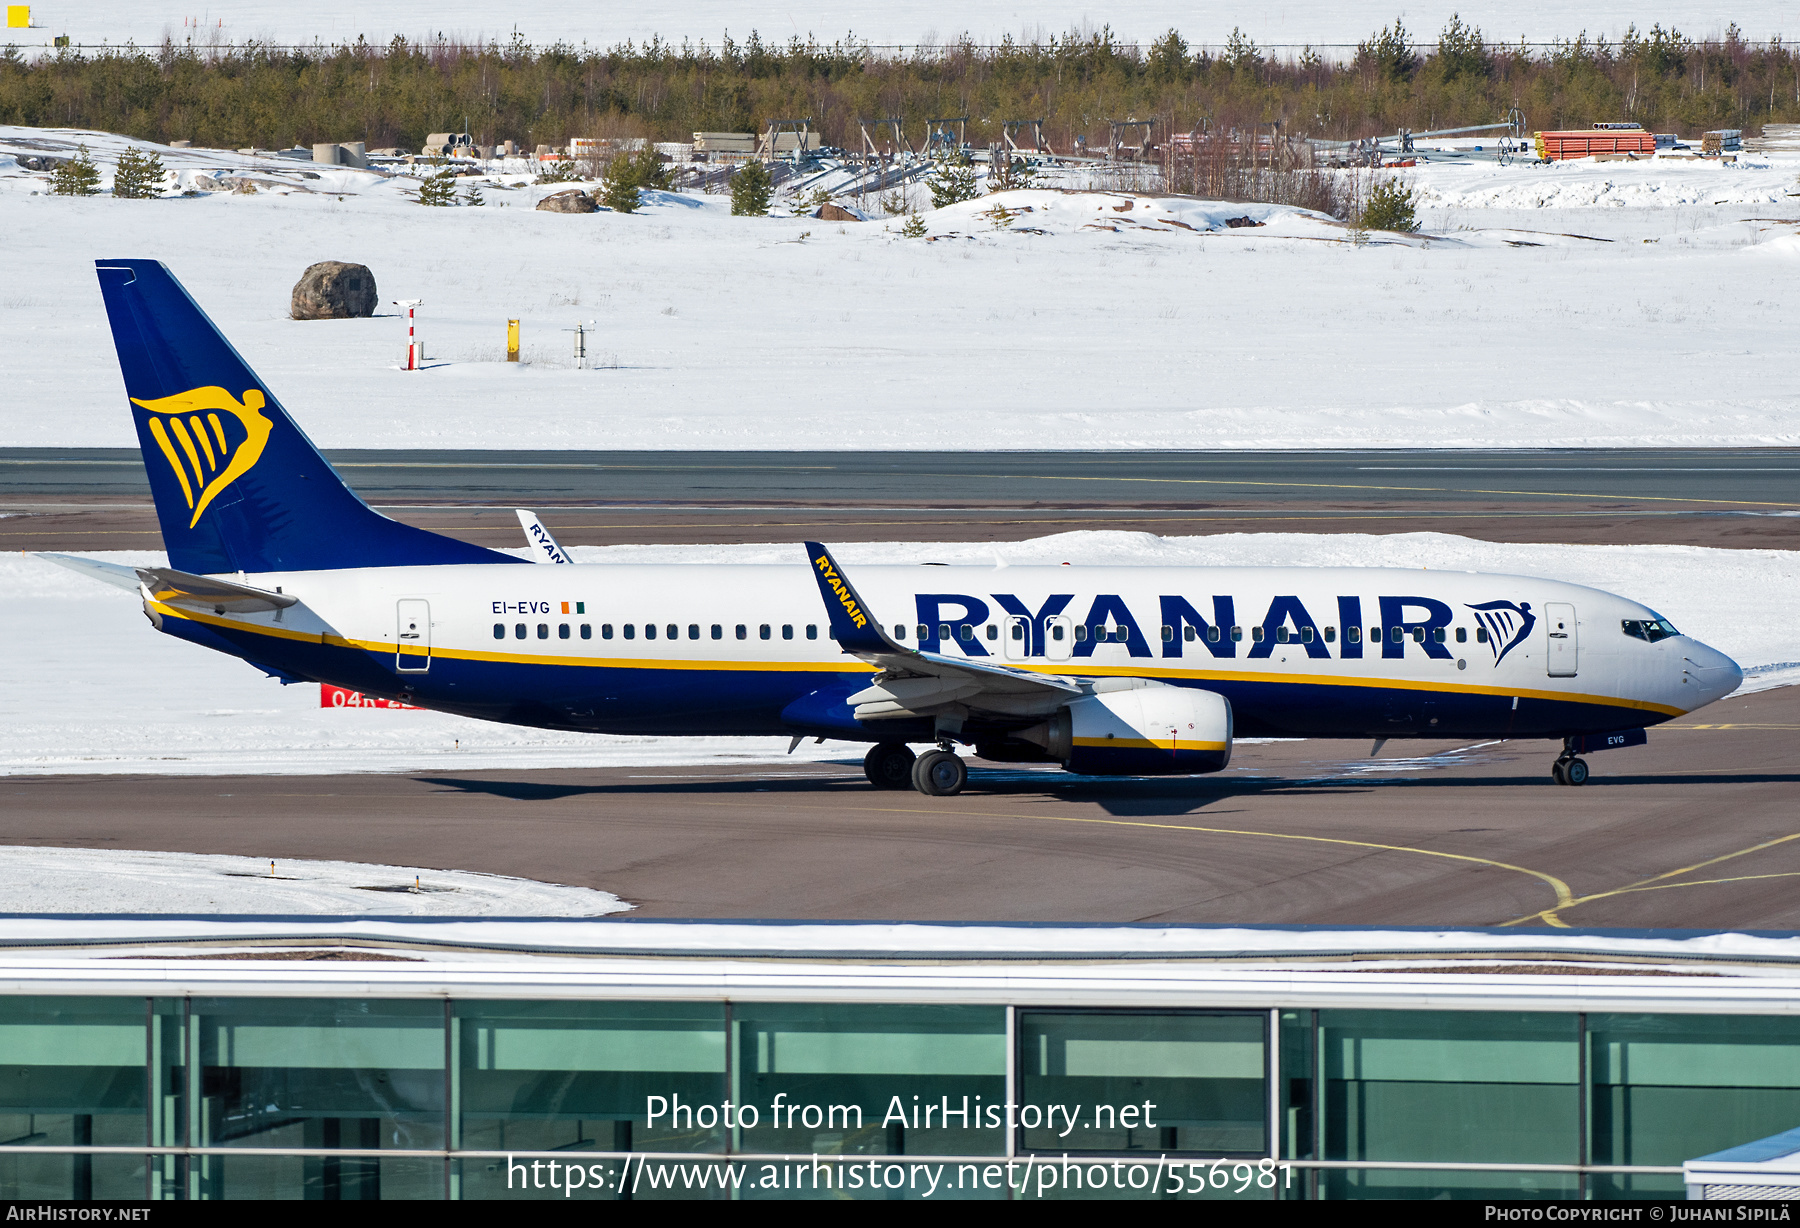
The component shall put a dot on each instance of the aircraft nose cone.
(1715, 674)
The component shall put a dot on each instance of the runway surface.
(97, 499)
(1699, 829)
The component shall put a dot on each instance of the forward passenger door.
(1560, 626)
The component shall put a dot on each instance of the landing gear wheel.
(1556, 772)
(941, 773)
(1575, 772)
(889, 765)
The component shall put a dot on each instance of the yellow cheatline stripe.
(1436, 490)
(1148, 744)
(168, 450)
(1564, 896)
(854, 667)
(1644, 884)
(1732, 726)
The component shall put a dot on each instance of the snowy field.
(90, 687)
(1581, 304)
(73, 880)
(1295, 22)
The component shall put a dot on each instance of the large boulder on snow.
(572, 201)
(334, 290)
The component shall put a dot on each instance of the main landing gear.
(1569, 770)
(936, 773)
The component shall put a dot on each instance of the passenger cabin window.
(812, 631)
(787, 631)
(1481, 635)
(693, 631)
(1018, 632)
(1418, 635)
(587, 631)
(1257, 634)
(718, 631)
(1056, 633)
(1398, 633)
(518, 631)
(993, 632)
(1168, 634)
(1374, 635)
(1437, 635)
(499, 631)
(630, 631)
(1462, 635)
(606, 631)
(1352, 635)
(763, 631)
(1081, 634)
(1281, 635)
(543, 631)
(1237, 635)
(649, 631)
(943, 631)
(1187, 633)
(743, 632)
(1331, 635)
(1212, 635)
(965, 633)
(924, 632)
(562, 631)
(674, 631)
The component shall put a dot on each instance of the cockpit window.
(1649, 630)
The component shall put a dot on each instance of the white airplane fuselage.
(730, 649)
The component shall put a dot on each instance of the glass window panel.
(71, 1074)
(1450, 1085)
(320, 1178)
(1482, 1187)
(858, 1080)
(1669, 1088)
(334, 1072)
(539, 1076)
(1139, 1081)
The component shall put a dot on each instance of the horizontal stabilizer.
(115, 574)
(178, 588)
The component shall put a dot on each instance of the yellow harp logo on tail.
(208, 452)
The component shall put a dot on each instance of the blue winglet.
(852, 624)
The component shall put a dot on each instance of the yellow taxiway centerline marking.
(1564, 896)
(1645, 884)
(1455, 490)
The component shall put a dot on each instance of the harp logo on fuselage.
(209, 437)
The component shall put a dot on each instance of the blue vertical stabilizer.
(239, 487)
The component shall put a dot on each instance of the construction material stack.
(1601, 139)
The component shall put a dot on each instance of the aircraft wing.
(914, 683)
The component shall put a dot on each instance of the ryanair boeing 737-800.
(1104, 670)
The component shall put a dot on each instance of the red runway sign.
(337, 697)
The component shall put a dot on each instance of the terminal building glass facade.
(428, 1097)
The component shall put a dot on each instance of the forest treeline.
(396, 94)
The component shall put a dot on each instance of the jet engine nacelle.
(1152, 730)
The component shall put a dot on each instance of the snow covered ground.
(903, 21)
(89, 687)
(1504, 324)
(75, 880)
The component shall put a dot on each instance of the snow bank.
(73, 880)
(91, 688)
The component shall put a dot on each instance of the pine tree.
(1390, 207)
(76, 177)
(619, 185)
(953, 181)
(650, 170)
(915, 226)
(138, 177)
(751, 189)
(473, 196)
(563, 170)
(439, 190)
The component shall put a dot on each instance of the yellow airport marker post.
(512, 341)
(18, 16)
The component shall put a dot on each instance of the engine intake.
(1152, 730)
